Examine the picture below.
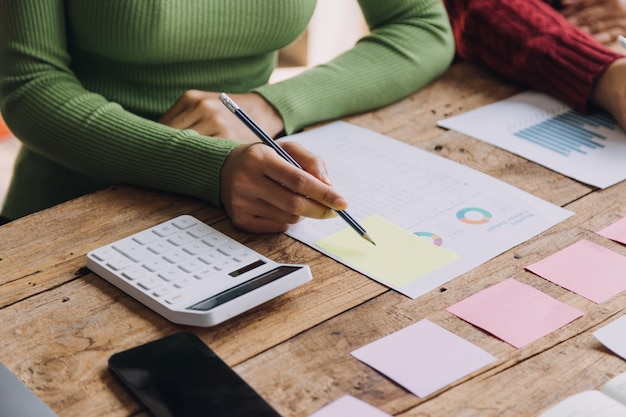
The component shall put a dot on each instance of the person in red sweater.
(530, 42)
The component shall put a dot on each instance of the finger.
(185, 120)
(603, 37)
(608, 28)
(573, 8)
(567, 3)
(263, 209)
(588, 15)
(307, 160)
(288, 205)
(301, 183)
(594, 27)
(206, 127)
(264, 196)
(582, 4)
(579, 19)
(301, 206)
(199, 118)
(608, 36)
(186, 101)
(614, 32)
(256, 215)
(178, 107)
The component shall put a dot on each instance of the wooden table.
(60, 322)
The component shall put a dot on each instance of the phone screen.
(180, 376)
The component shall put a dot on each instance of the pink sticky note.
(349, 406)
(423, 357)
(616, 231)
(588, 269)
(514, 312)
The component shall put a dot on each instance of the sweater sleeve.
(53, 115)
(530, 42)
(410, 44)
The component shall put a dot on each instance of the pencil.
(266, 139)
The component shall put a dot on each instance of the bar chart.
(590, 148)
(568, 132)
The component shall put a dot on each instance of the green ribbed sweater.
(82, 83)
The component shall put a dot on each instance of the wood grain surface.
(61, 322)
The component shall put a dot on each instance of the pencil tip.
(369, 239)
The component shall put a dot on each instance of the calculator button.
(175, 299)
(191, 265)
(175, 256)
(244, 256)
(196, 247)
(135, 272)
(165, 229)
(155, 264)
(199, 230)
(145, 237)
(224, 264)
(211, 257)
(103, 254)
(185, 282)
(161, 246)
(172, 274)
(180, 238)
(132, 250)
(119, 263)
(206, 273)
(183, 222)
(150, 283)
(214, 239)
(163, 290)
(230, 248)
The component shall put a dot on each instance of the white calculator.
(192, 274)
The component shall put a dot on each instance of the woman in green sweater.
(125, 91)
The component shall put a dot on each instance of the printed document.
(590, 148)
(465, 216)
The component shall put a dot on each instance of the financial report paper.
(451, 206)
(590, 148)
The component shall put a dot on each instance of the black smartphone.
(180, 376)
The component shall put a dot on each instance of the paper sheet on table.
(612, 336)
(616, 231)
(445, 203)
(514, 312)
(423, 357)
(589, 148)
(399, 256)
(349, 406)
(588, 269)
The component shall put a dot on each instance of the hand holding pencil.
(303, 184)
(263, 193)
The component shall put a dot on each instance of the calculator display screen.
(247, 268)
(245, 287)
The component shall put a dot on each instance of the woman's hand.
(203, 112)
(603, 19)
(263, 193)
(609, 91)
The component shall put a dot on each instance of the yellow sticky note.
(398, 258)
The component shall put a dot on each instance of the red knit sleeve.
(530, 42)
